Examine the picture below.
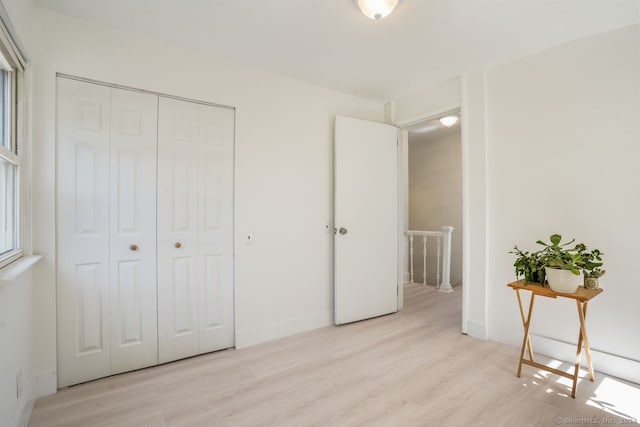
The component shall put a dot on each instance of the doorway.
(433, 181)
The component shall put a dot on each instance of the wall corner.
(389, 112)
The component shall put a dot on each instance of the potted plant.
(563, 265)
(592, 267)
(529, 265)
(591, 278)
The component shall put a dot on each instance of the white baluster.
(411, 256)
(424, 260)
(447, 231)
(438, 260)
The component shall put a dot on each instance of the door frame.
(403, 201)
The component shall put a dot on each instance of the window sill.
(12, 271)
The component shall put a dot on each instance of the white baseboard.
(610, 364)
(253, 336)
(25, 407)
(476, 330)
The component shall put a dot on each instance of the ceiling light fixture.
(449, 121)
(377, 9)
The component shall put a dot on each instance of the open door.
(366, 219)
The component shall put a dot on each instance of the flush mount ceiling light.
(377, 9)
(449, 121)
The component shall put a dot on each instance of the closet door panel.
(82, 222)
(133, 230)
(177, 229)
(215, 228)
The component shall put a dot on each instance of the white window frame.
(12, 60)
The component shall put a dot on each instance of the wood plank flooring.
(413, 368)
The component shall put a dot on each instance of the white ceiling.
(331, 44)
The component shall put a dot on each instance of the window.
(11, 71)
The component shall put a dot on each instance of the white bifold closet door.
(106, 211)
(195, 229)
(132, 204)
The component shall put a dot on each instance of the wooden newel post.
(445, 286)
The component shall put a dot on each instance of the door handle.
(133, 247)
(343, 231)
(178, 245)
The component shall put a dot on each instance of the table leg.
(525, 340)
(576, 370)
(582, 312)
(582, 339)
(529, 348)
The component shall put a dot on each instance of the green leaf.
(555, 239)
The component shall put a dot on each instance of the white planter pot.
(563, 281)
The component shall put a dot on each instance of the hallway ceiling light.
(377, 9)
(449, 121)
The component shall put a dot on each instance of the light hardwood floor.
(413, 368)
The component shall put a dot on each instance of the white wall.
(17, 294)
(435, 197)
(564, 146)
(283, 180)
(16, 348)
(427, 103)
(475, 207)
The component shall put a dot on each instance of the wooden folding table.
(582, 298)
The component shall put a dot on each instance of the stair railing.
(443, 256)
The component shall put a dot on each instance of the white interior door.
(83, 128)
(195, 229)
(366, 219)
(134, 337)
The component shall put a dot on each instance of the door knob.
(133, 247)
(343, 231)
(178, 245)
